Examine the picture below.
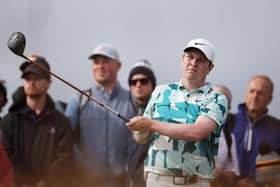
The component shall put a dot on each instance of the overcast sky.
(245, 34)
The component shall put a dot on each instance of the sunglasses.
(143, 81)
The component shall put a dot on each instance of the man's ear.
(119, 65)
(270, 99)
(211, 66)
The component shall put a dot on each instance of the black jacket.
(39, 146)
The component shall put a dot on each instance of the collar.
(139, 109)
(48, 108)
(114, 92)
(206, 88)
(243, 107)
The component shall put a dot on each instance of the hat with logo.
(206, 47)
(106, 50)
(144, 67)
(28, 67)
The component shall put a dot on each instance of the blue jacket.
(104, 138)
(265, 133)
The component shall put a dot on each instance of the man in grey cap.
(103, 139)
(36, 137)
(182, 122)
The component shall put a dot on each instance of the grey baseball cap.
(106, 50)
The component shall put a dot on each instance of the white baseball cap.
(206, 47)
(106, 50)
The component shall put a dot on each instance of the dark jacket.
(6, 170)
(39, 146)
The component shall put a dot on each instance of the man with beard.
(6, 169)
(36, 137)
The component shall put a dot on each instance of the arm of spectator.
(7, 137)
(6, 169)
(72, 110)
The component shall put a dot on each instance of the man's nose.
(193, 62)
(255, 94)
(138, 83)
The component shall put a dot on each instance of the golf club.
(16, 44)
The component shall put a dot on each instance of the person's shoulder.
(123, 90)
(6, 121)
(59, 117)
(62, 123)
(10, 114)
(273, 120)
(217, 96)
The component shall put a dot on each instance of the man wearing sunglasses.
(182, 122)
(142, 82)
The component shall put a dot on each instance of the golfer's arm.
(202, 127)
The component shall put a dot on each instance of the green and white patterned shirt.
(174, 104)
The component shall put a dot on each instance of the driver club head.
(16, 43)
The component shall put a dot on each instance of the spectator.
(226, 170)
(6, 170)
(142, 82)
(36, 137)
(182, 121)
(3, 95)
(103, 139)
(256, 132)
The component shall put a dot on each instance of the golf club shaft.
(79, 90)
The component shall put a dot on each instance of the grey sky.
(245, 34)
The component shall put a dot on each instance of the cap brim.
(35, 71)
(99, 54)
(31, 72)
(189, 48)
(91, 57)
(103, 55)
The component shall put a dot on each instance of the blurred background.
(245, 34)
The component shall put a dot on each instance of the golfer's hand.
(140, 123)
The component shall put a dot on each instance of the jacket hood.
(19, 100)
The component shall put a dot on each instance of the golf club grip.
(123, 118)
(77, 89)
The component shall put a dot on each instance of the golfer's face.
(195, 66)
(105, 70)
(35, 86)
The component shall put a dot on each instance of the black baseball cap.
(28, 67)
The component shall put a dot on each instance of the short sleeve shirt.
(175, 104)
